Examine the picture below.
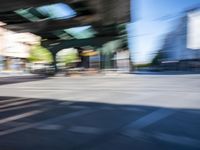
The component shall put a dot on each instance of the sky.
(151, 20)
(57, 11)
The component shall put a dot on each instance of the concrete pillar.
(54, 63)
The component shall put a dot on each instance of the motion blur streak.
(99, 74)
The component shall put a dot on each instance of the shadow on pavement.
(46, 124)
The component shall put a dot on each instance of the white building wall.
(176, 43)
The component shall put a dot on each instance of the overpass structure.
(101, 21)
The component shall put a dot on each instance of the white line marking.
(16, 117)
(48, 121)
(26, 106)
(150, 119)
(11, 100)
(85, 129)
(66, 103)
(182, 140)
(132, 109)
(18, 103)
(134, 133)
(50, 127)
(78, 107)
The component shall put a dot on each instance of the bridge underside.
(104, 21)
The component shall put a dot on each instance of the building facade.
(181, 47)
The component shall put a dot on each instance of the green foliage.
(158, 57)
(39, 53)
(67, 58)
(70, 58)
(111, 47)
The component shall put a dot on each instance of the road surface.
(116, 112)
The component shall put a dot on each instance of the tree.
(67, 57)
(39, 53)
(158, 58)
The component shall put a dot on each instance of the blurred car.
(42, 68)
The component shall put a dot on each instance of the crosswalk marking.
(78, 107)
(48, 121)
(24, 115)
(150, 118)
(18, 103)
(24, 106)
(86, 130)
(11, 100)
(182, 140)
(132, 109)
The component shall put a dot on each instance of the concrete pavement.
(102, 112)
(11, 78)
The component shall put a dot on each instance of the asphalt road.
(116, 112)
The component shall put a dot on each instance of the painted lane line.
(66, 103)
(85, 129)
(133, 133)
(134, 128)
(11, 100)
(179, 140)
(50, 127)
(182, 140)
(18, 103)
(48, 121)
(132, 109)
(24, 115)
(78, 107)
(25, 106)
(150, 119)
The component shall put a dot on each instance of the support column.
(54, 63)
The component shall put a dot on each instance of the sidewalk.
(13, 73)
(7, 77)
